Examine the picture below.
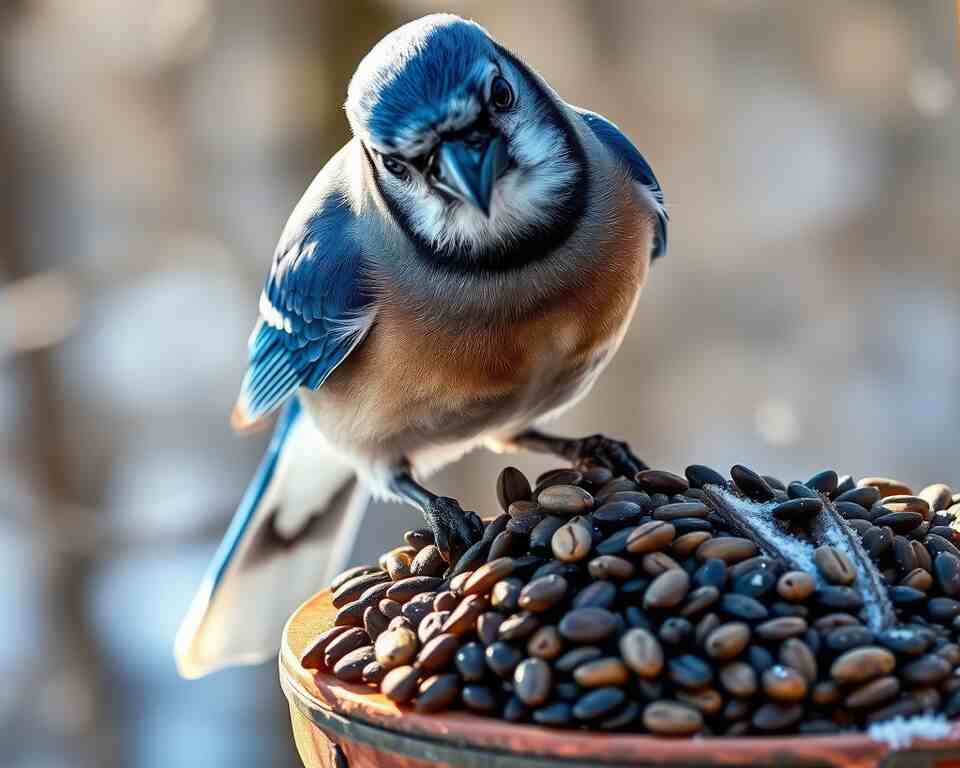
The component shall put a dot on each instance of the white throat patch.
(541, 170)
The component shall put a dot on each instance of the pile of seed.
(670, 605)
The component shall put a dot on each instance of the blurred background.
(808, 313)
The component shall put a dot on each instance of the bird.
(460, 272)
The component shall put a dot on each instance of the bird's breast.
(456, 380)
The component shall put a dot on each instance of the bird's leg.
(454, 530)
(613, 454)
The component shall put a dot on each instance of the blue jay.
(460, 271)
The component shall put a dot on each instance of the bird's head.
(471, 151)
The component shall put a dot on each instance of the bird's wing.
(296, 524)
(314, 308)
(640, 170)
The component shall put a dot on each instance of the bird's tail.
(293, 530)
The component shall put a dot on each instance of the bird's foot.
(615, 455)
(454, 530)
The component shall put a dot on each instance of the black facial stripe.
(539, 241)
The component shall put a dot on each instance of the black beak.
(468, 170)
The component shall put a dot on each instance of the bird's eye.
(394, 166)
(501, 94)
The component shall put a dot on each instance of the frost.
(755, 520)
(765, 531)
(900, 732)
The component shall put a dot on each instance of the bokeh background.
(808, 313)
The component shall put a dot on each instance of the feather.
(314, 308)
(293, 531)
(640, 169)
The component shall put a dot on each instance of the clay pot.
(336, 725)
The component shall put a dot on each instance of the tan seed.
(374, 622)
(797, 654)
(572, 542)
(611, 567)
(405, 552)
(924, 560)
(705, 626)
(781, 628)
(437, 654)
(670, 718)
(350, 667)
(457, 582)
(784, 684)
(419, 538)
(343, 644)
(708, 700)
(668, 589)
(655, 563)
(428, 562)
(834, 565)
(312, 657)
(351, 590)
(796, 586)
(397, 564)
(863, 664)
(431, 625)
(886, 486)
(463, 618)
(389, 608)
(565, 500)
(601, 672)
(938, 496)
(730, 549)
(699, 600)
(739, 679)
(373, 673)
(519, 626)
(523, 508)
(543, 593)
(918, 578)
(685, 545)
(483, 579)
(728, 640)
(873, 693)
(906, 504)
(405, 589)
(641, 651)
(650, 537)
(505, 595)
(400, 684)
(445, 601)
(396, 647)
(825, 694)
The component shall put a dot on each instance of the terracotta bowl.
(337, 725)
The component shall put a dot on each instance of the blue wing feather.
(312, 310)
(640, 169)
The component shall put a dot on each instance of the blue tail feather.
(251, 499)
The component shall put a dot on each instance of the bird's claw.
(615, 455)
(454, 529)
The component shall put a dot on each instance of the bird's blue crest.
(419, 78)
